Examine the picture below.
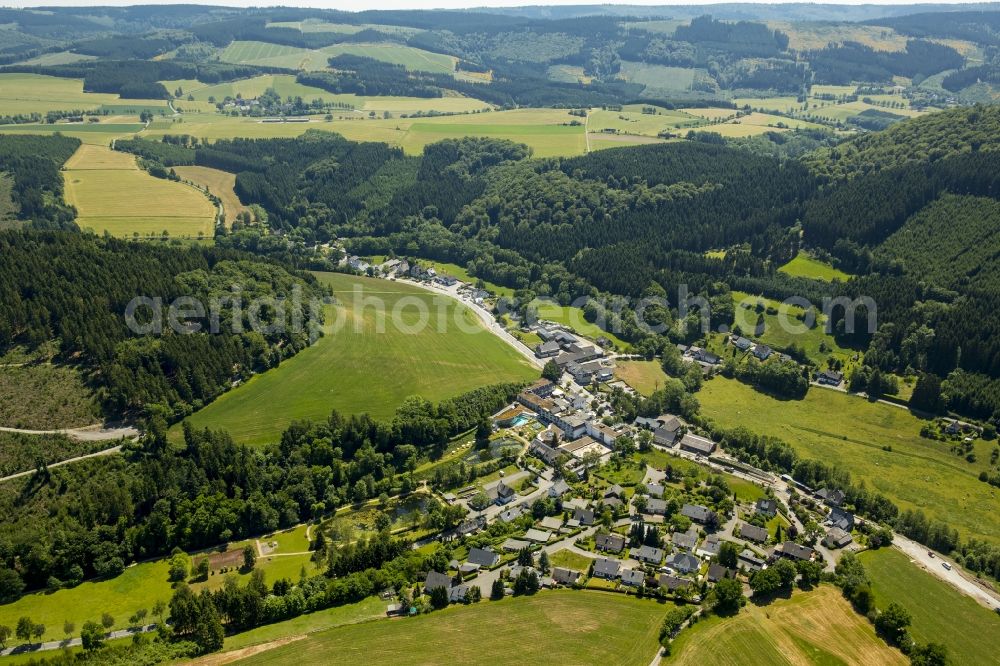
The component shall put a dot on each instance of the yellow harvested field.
(817, 627)
(112, 194)
(780, 104)
(219, 183)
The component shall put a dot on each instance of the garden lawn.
(362, 369)
(559, 627)
(849, 431)
(644, 376)
(570, 560)
(817, 627)
(941, 614)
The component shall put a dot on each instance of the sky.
(356, 5)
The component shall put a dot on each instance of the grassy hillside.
(359, 368)
(561, 627)
(817, 627)
(940, 612)
(803, 265)
(850, 431)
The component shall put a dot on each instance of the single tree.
(439, 597)
(728, 596)
(69, 628)
(249, 558)
(91, 636)
(497, 591)
(24, 628)
(543, 562)
(107, 621)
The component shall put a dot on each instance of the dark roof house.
(697, 513)
(767, 506)
(606, 568)
(614, 543)
(683, 562)
(753, 533)
(484, 557)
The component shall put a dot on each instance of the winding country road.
(92, 433)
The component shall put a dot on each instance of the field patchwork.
(112, 194)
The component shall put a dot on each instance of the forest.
(74, 288)
(93, 518)
(33, 163)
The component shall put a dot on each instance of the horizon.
(432, 5)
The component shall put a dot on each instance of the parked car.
(930, 554)
(946, 566)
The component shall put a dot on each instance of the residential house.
(615, 491)
(435, 579)
(559, 488)
(697, 445)
(471, 526)
(767, 506)
(609, 543)
(830, 378)
(514, 545)
(665, 438)
(613, 503)
(648, 554)
(456, 595)
(837, 538)
(656, 507)
(840, 518)
(717, 572)
(698, 513)
(741, 343)
(511, 514)
(537, 536)
(468, 568)
(831, 496)
(484, 557)
(654, 489)
(552, 523)
(501, 493)
(710, 547)
(684, 540)
(753, 533)
(565, 576)
(544, 332)
(762, 352)
(794, 551)
(585, 516)
(547, 349)
(606, 568)
(748, 560)
(633, 577)
(683, 563)
(705, 356)
(673, 583)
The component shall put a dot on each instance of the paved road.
(31, 648)
(105, 452)
(92, 433)
(956, 577)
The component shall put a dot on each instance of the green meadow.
(367, 366)
(292, 57)
(563, 626)
(803, 265)
(877, 443)
(941, 614)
